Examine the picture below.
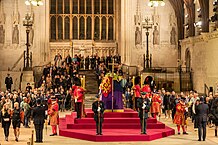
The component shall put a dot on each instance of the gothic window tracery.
(82, 20)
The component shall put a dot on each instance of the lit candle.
(84, 82)
(141, 81)
(133, 81)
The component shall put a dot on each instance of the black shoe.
(199, 139)
(16, 139)
(37, 141)
(185, 133)
(178, 133)
(6, 138)
(55, 134)
(97, 134)
(215, 132)
(52, 135)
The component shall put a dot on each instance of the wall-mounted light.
(156, 3)
(34, 2)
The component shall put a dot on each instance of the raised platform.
(117, 126)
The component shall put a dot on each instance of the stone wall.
(14, 42)
(204, 62)
(133, 42)
(15, 77)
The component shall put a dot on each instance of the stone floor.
(172, 140)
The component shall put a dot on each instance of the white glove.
(99, 109)
(186, 109)
(143, 107)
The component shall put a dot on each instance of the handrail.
(42, 65)
(16, 63)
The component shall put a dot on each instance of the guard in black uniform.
(38, 115)
(98, 109)
(143, 104)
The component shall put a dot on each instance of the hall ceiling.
(178, 6)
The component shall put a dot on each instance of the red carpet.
(122, 126)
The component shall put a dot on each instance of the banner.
(106, 86)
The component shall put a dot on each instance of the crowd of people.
(203, 110)
(60, 88)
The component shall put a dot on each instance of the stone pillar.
(27, 78)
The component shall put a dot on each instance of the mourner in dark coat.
(143, 104)
(38, 115)
(98, 109)
(16, 120)
(6, 120)
(8, 82)
(201, 118)
(214, 111)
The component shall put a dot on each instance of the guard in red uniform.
(78, 97)
(146, 89)
(179, 118)
(155, 104)
(53, 115)
(137, 91)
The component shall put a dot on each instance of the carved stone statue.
(138, 36)
(2, 34)
(173, 36)
(15, 35)
(156, 36)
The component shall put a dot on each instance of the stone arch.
(188, 59)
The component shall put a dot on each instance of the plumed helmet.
(137, 80)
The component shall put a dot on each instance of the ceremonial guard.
(39, 117)
(53, 115)
(137, 91)
(78, 98)
(201, 118)
(179, 118)
(143, 104)
(98, 109)
(155, 104)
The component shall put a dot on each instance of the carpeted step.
(117, 135)
(116, 126)
(116, 115)
(63, 123)
(113, 120)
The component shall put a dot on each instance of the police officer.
(38, 115)
(98, 109)
(143, 104)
